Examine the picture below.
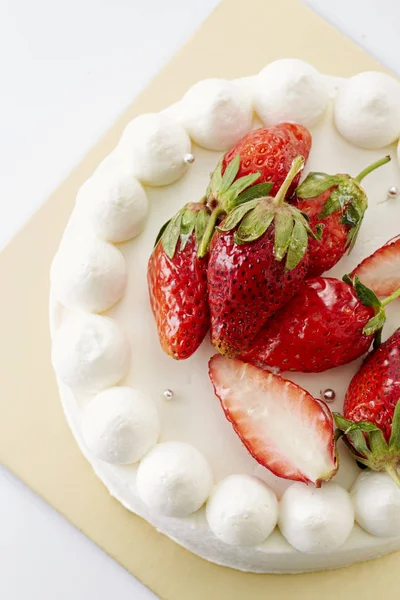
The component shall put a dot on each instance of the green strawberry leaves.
(317, 183)
(367, 443)
(225, 189)
(369, 298)
(191, 218)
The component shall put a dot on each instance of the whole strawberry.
(282, 426)
(337, 204)
(326, 324)
(177, 280)
(248, 280)
(371, 421)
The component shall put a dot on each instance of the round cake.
(256, 448)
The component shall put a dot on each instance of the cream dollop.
(174, 479)
(242, 510)
(90, 353)
(114, 204)
(290, 90)
(120, 425)
(367, 110)
(376, 500)
(154, 147)
(88, 274)
(216, 113)
(316, 520)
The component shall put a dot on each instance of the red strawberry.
(248, 280)
(371, 422)
(282, 426)
(337, 204)
(326, 324)
(381, 270)
(177, 281)
(271, 151)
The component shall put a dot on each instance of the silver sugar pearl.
(189, 159)
(393, 192)
(168, 394)
(328, 395)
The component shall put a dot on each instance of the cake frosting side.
(94, 352)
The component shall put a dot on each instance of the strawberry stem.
(390, 298)
(205, 240)
(297, 166)
(392, 470)
(372, 167)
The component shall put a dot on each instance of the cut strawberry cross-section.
(381, 271)
(282, 426)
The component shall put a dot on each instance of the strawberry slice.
(282, 426)
(381, 271)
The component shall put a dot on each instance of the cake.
(152, 427)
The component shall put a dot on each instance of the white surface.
(68, 69)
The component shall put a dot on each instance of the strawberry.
(326, 324)
(248, 280)
(381, 270)
(271, 151)
(282, 426)
(177, 281)
(371, 422)
(337, 204)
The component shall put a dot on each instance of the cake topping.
(242, 510)
(90, 353)
(88, 274)
(381, 270)
(326, 324)
(376, 500)
(290, 90)
(216, 113)
(282, 426)
(114, 204)
(371, 422)
(154, 147)
(174, 479)
(337, 204)
(367, 110)
(316, 520)
(120, 425)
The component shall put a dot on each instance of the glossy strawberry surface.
(321, 327)
(178, 296)
(324, 253)
(381, 270)
(375, 390)
(246, 285)
(271, 150)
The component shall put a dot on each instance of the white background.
(67, 69)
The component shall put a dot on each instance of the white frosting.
(114, 204)
(290, 90)
(174, 479)
(88, 274)
(242, 510)
(316, 520)
(376, 500)
(154, 147)
(367, 110)
(90, 353)
(120, 425)
(398, 153)
(216, 113)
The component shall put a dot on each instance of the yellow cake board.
(238, 39)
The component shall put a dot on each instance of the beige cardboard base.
(35, 442)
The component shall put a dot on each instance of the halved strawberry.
(282, 426)
(381, 271)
